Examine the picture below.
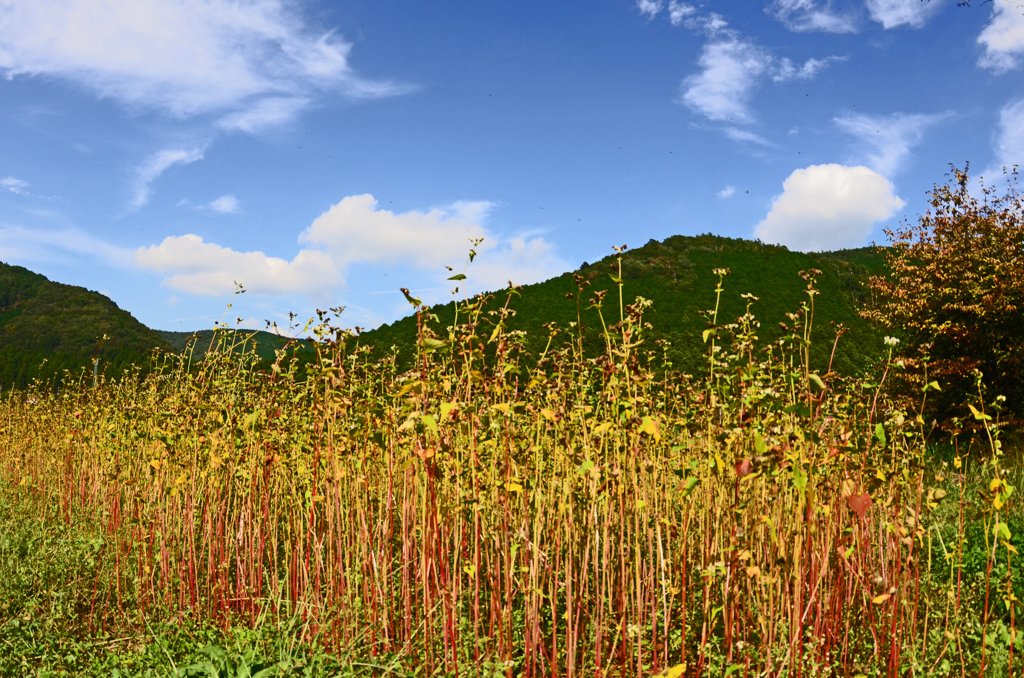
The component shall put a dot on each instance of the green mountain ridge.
(47, 327)
(677, 276)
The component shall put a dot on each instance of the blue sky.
(326, 153)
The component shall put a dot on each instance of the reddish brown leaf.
(860, 503)
(744, 468)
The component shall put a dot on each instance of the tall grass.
(494, 513)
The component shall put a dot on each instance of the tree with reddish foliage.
(954, 291)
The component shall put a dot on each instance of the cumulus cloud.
(893, 13)
(206, 268)
(649, 7)
(226, 204)
(353, 231)
(183, 57)
(1003, 38)
(886, 140)
(828, 207)
(14, 185)
(726, 192)
(154, 166)
(811, 15)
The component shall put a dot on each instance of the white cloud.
(828, 207)
(787, 71)
(18, 242)
(744, 135)
(14, 185)
(183, 57)
(226, 204)
(355, 231)
(1008, 141)
(811, 15)
(893, 13)
(649, 7)
(726, 192)
(731, 68)
(266, 113)
(1003, 38)
(722, 89)
(679, 11)
(887, 138)
(156, 165)
(206, 268)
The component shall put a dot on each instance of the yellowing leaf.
(978, 415)
(651, 427)
(548, 414)
(446, 409)
(878, 600)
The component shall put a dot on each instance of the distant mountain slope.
(677, 275)
(265, 343)
(47, 327)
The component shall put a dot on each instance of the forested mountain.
(47, 328)
(677, 276)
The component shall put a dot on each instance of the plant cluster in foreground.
(581, 516)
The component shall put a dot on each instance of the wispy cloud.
(156, 165)
(726, 192)
(226, 204)
(785, 70)
(828, 207)
(678, 12)
(731, 68)
(886, 140)
(184, 57)
(893, 13)
(812, 15)
(15, 185)
(34, 244)
(354, 231)
(1003, 38)
(1008, 141)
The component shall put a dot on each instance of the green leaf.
(431, 344)
(1001, 531)
(446, 409)
(880, 434)
(415, 301)
(429, 423)
(759, 444)
(458, 276)
(707, 333)
(799, 478)
(817, 381)
(615, 279)
(688, 486)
